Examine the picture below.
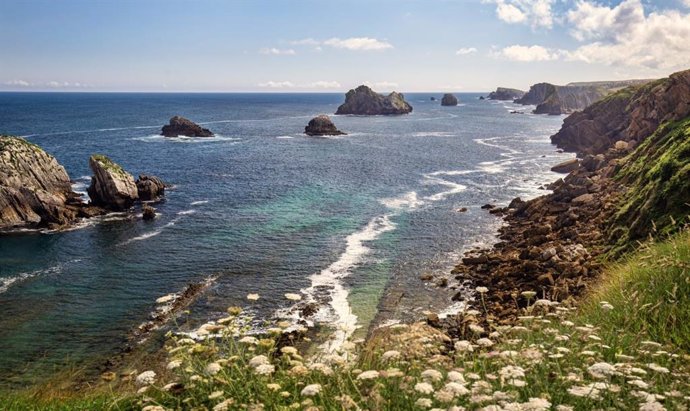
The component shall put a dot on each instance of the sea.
(259, 209)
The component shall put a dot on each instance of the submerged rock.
(149, 188)
(180, 126)
(449, 100)
(148, 212)
(433, 99)
(364, 101)
(111, 186)
(35, 190)
(322, 126)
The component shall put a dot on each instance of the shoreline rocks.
(364, 101)
(322, 125)
(182, 127)
(111, 186)
(150, 188)
(449, 100)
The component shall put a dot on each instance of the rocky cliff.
(503, 93)
(364, 101)
(111, 186)
(35, 189)
(629, 115)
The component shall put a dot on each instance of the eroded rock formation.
(111, 186)
(321, 125)
(180, 126)
(503, 93)
(364, 101)
(449, 100)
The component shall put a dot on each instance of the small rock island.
(322, 125)
(449, 100)
(182, 127)
(505, 94)
(365, 101)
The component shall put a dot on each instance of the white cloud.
(277, 52)
(624, 35)
(686, 3)
(528, 53)
(536, 13)
(277, 84)
(20, 83)
(358, 43)
(382, 85)
(465, 50)
(305, 42)
(325, 84)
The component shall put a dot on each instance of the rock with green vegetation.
(629, 115)
(111, 186)
(365, 101)
(35, 189)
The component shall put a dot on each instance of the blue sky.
(295, 45)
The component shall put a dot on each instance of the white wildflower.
(482, 290)
(477, 329)
(265, 369)
(173, 364)
(252, 297)
(457, 388)
(249, 340)
(215, 394)
(658, 368)
(484, 342)
(463, 346)
(455, 376)
(213, 368)
(601, 370)
(652, 406)
(289, 350)
(224, 406)
(311, 390)
(423, 403)
(432, 375)
(146, 378)
(368, 375)
(258, 360)
(293, 297)
(424, 388)
(390, 355)
(584, 391)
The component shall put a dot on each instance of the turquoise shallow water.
(262, 208)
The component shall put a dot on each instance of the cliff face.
(35, 189)
(629, 115)
(111, 186)
(364, 101)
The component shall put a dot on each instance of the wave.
(199, 202)
(406, 201)
(156, 138)
(159, 230)
(186, 212)
(433, 134)
(284, 137)
(489, 142)
(435, 180)
(7, 282)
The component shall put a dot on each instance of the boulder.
(180, 126)
(321, 126)
(433, 99)
(566, 166)
(364, 101)
(35, 190)
(148, 212)
(111, 186)
(149, 188)
(449, 100)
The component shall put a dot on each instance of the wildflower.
(311, 390)
(213, 368)
(528, 294)
(432, 375)
(423, 403)
(173, 364)
(368, 375)
(273, 386)
(265, 369)
(392, 373)
(535, 404)
(562, 407)
(284, 394)
(652, 406)
(444, 395)
(517, 383)
(482, 290)
(252, 297)
(567, 323)
(485, 342)
(390, 355)
(424, 388)
(224, 406)
(146, 378)
(562, 338)
(650, 344)
(289, 350)
(584, 391)
(455, 376)
(511, 372)
(463, 346)
(601, 370)
(258, 360)
(293, 297)
(639, 384)
(606, 306)
(215, 394)
(299, 370)
(249, 340)
(456, 388)
(545, 303)
(322, 368)
(153, 408)
(658, 368)
(477, 329)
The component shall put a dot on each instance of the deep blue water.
(261, 207)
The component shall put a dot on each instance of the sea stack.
(505, 94)
(322, 125)
(180, 126)
(35, 190)
(449, 100)
(111, 186)
(150, 188)
(364, 101)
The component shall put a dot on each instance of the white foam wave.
(186, 212)
(6, 283)
(433, 134)
(198, 202)
(284, 137)
(159, 230)
(454, 188)
(453, 172)
(339, 313)
(156, 138)
(491, 142)
(406, 201)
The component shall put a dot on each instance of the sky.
(332, 46)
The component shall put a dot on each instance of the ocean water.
(260, 208)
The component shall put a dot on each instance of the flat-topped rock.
(364, 101)
(566, 166)
(505, 94)
(449, 100)
(322, 126)
(180, 126)
(111, 186)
